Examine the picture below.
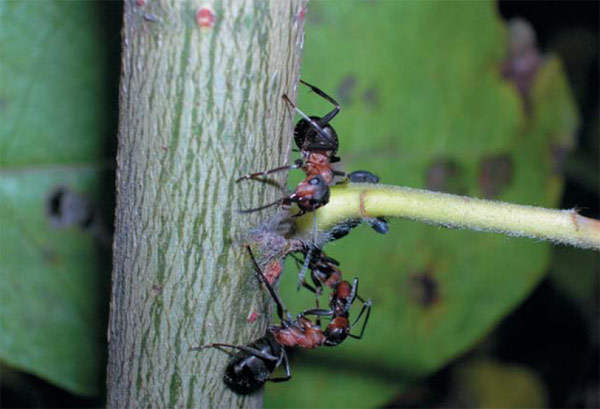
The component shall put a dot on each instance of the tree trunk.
(200, 105)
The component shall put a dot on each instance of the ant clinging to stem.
(253, 365)
(318, 144)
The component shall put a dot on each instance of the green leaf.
(424, 105)
(52, 139)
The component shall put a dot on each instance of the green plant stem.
(352, 201)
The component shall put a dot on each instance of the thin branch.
(354, 201)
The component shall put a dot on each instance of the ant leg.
(261, 277)
(297, 165)
(302, 273)
(325, 119)
(343, 174)
(317, 312)
(286, 365)
(352, 297)
(250, 350)
(367, 307)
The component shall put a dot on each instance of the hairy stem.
(354, 201)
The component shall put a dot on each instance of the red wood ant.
(302, 332)
(253, 365)
(318, 144)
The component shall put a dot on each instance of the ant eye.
(315, 181)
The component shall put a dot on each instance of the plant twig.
(352, 201)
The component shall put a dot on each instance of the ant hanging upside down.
(318, 144)
(253, 365)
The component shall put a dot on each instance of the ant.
(302, 332)
(253, 365)
(318, 144)
(324, 270)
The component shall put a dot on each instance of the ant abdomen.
(248, 371)
(307, 138)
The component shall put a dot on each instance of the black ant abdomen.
(248, 371)
(307, 138)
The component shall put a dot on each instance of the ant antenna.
(256, 209)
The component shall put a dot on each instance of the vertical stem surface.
(200, 104)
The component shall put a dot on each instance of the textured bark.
(198, 107)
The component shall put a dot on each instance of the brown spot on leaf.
(523, 59)
(445, 175)
(346, 88)
(559, 157)
(371, 97)
(495, 175)
(424, 288)
(66, 208)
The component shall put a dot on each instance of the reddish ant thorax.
(304, 335)
(317, 163)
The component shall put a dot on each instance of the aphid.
(379, 224)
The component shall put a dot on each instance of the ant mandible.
(318, 144)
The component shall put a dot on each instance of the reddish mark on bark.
(164, 148)
(140, 3)
(302, 13)
(272, 271)
(205, 17)
(252, 316)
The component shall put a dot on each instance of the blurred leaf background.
(439, 95)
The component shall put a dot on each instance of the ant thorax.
(317, 163)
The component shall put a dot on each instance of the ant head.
(320, 194)
(311, 194)
(337, 331)
(310, 139)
